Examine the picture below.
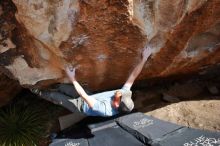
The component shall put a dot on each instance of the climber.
(103, 104)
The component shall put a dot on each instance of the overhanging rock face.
(105, 38)
(8, 89)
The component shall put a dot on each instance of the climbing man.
(103, 104)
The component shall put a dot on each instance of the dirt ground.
(204, 114)
(193, 104)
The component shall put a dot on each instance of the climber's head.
(117, 99)
(123, 101)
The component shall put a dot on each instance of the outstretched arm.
(71, 74)
(145, 55)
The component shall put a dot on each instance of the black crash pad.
(110, 134)
(101, 134)
(155, 132)
(146, 128)
(129, 129)
(70, 142)
(189, 137)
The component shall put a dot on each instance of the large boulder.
(8, 89)
(105, 39)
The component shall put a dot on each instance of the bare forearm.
(83, 94)
(136, 71)
(79, 88)
(145, 55)
(139, 68)
(71, 74)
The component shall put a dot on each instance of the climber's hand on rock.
(70, 71)
(146, 53)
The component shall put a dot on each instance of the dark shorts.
(78, 102)
(65, 95)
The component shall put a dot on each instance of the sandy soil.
(193, 104)
(204, 114)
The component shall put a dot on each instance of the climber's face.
(117, 99)
(118, 95)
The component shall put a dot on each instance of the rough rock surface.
(8, 89)
(105, 37)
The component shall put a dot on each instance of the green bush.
(21, 126)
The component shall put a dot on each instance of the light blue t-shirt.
(102, 106)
